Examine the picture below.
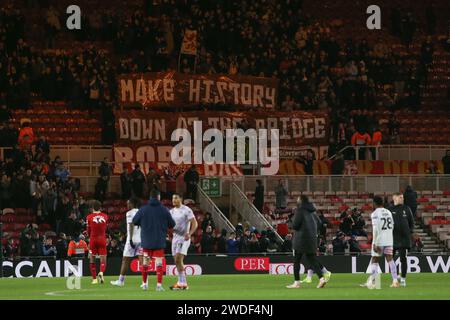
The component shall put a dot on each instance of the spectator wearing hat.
(339, 243)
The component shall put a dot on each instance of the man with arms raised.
(132, 245)
(185, 226)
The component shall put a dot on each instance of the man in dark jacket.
(207, 242)
(222, 242)
(339, 243)
(446, 162)
(403, 227)
(61, 247)
(305, 241)
(191, 178)
(154, 220)
(137, 181)
(338, 165)
(259, 196)
(410, 199)
(125, 183)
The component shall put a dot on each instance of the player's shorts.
(384, 250)
(128, 251)
(179, 245)
(153, 253)
(97, 247)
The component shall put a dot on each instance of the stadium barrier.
(274, 264)
(399, 152)
(324, 183)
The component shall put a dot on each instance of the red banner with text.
(174, 89)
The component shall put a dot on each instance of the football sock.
(324, 270)
(121, 278)
(159, 274)
(182, 277)
(102, 266)
(374, 271)
(393, 268)
(93, 270)
(144, 274)
(310, 273)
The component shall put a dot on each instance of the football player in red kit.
(96, 228)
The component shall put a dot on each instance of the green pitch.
(223, 287)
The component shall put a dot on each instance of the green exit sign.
(211, 186)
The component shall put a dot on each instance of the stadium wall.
(217, 264)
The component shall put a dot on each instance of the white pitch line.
(61, 293)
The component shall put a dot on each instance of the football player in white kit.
(132, 246)
(382, 242)
(185, 226)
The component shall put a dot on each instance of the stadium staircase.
(247, 212)
(206, 204)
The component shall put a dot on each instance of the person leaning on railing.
(360, 139)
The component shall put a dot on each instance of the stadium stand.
(79, 66)
(433, 214)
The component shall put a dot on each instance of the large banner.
(197, 265)
(145, 137)
(158, 157)
(173, 89)
(296, 129)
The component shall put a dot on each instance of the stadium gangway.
(207, 205)
(332, 183)
(243, 206)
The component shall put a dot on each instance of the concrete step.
(427, 242)
(422, 234)
(431, 246)
(433, 252)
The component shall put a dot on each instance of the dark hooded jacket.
(305, 226)
(410, 197)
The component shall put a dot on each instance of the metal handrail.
(390, 147)
(219, 218)
(245, 206)
(356, 148)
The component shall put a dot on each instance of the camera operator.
(346, 223)
(324, 223)
(354, 245)
(358, 224)
(339, 243)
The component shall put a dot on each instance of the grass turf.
(225, 287)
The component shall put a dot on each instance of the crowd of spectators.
(315, 70)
